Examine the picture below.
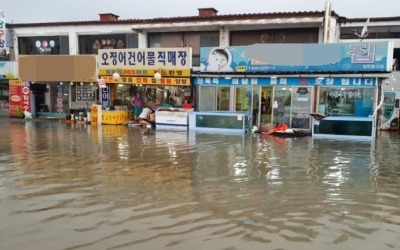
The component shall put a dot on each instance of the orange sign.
(95, 113)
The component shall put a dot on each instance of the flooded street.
(66, 186)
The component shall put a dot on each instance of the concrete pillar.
(224, 38)
(142, 40)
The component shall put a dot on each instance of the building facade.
(206, 30)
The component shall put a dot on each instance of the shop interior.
(154, 96)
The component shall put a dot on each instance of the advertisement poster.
(19, 92)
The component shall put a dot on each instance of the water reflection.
(76, 186)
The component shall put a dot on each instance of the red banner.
(20, 94)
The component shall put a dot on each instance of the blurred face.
(217, 61)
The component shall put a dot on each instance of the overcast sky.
(28, 11)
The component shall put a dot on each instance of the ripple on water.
(114, 187)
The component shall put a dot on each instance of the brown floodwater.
(65, 187)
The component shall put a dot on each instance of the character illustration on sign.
(219, 60)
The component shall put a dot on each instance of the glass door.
(243, 98)
(256, 105)
(301, 107)
(248, 99)
(282, 105)
(266, 105)
(207, 98)
(223, 97)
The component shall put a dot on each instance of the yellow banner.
(146, 72)
(95, 113)
(114, 117)
(15, 82)
(149, 80)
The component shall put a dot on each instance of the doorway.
(266, 106)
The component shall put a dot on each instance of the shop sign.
(19, 92)
(149, 80)
(94, 111)
(299, 58)
(105, 96)
(2, 30)
(351, 94)
(146, 72)
(114, 117)
(290, 81)
(155, 58)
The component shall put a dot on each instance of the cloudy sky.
(84, 10)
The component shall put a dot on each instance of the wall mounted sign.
(19, 92)
(151, 58)
(149, 80)
(146, 72)
(269, 58)
(290, 81)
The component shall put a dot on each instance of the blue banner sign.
(294, 58)
(105, 96)
(288, 81)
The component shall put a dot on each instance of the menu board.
(85, 93)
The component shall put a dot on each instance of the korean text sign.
(19, 93)
(171, 58)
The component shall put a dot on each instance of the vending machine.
(390, 111)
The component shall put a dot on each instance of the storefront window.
(44, 45)
(243, 98)
(223, 97)
(4, 90)
(4, 95)
(301, 107)
(247, 37)
(90, 44)
(346, 101)
(195, 40)
(123, 94)
(207, 98)
(85, 93)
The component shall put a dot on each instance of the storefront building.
(207, 29)
(162, 76)
(65, 96)
(287, 83)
